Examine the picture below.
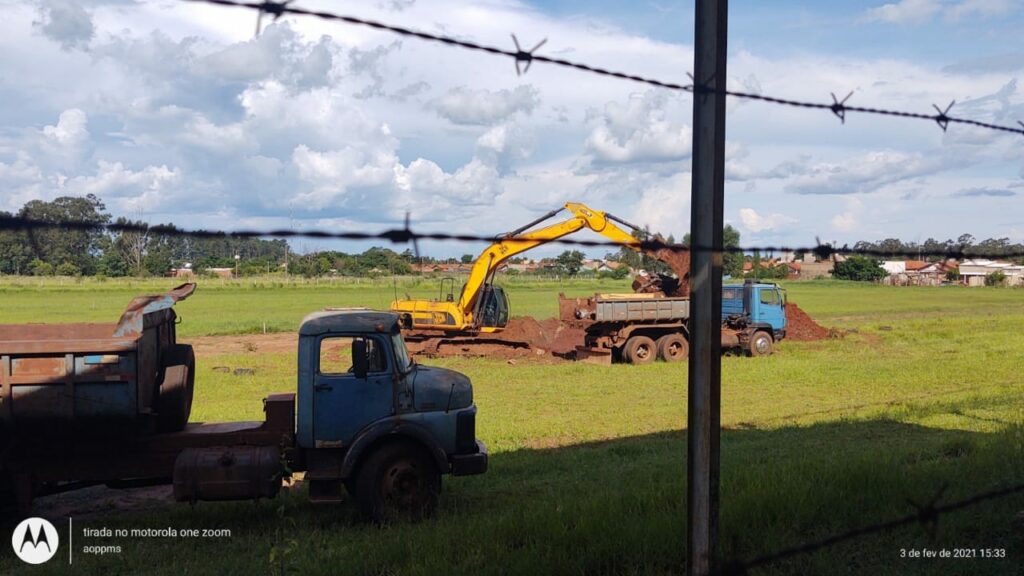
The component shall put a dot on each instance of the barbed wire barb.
(943, 118)
(525, 55)
(276, 9)
(839, 106)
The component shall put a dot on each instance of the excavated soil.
(523, 338)
(802, 328)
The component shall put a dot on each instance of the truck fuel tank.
(227, 473)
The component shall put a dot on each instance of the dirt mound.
(523, 337)
(679, 262)
(802, 328)
(549, 335)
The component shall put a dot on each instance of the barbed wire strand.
(520, 56)
(926, 515)
(407, 236)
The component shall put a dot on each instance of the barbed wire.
(520, 56)
(926, 515)
(406, 235)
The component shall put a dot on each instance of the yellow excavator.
(482, 306)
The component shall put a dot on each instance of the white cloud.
(848, 220)
(754, 222)
(70, 129)
(869, 172)
(463, 105)
(919, 11)
(905, 11)
(640, 131)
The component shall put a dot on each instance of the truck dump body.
(86, 378)
(634, 309)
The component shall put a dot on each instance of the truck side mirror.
(360, 362)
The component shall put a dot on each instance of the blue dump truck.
(639, 328)
(85, 404)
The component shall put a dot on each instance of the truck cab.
(373, 420)
(759, 309)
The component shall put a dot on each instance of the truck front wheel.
(639, 350)
(760, 344)
(399, 480)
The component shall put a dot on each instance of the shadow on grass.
(618, 507)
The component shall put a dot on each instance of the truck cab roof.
(348, 320)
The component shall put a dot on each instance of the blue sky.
(173, 111)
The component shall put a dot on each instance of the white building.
(973, 272)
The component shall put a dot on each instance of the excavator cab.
(494, 308)
(450, 295)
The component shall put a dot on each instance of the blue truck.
(88, 404)
(639, 328)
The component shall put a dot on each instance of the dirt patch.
(246, 343)
(802, 328)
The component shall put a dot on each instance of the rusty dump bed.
(153, 456)
(66, 378)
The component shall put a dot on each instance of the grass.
(588, 463)
(249, 306)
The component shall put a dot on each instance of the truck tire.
(761, 344)
(398, 480)
(639, 350)
(174, 403)
(673, 347)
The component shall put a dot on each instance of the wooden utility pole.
(706, 221)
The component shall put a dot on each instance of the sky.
(177, 112)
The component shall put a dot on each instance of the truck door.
(343, 404)
(769, 308)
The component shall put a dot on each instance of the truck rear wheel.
(399, 480)
(174, 404)
(673, 348)
(760, 344)
(639, 350)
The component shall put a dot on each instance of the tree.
(569, 262)
(732, 262)
(15, 253)
(67, 269)
(79, 247)
(859, 268)
(996, 278)
(39, 268)
(466, 258)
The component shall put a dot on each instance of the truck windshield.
(402, 360)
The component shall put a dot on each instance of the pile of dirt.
(523, 337)
(802, 328)
(549, 335)
(679, 262)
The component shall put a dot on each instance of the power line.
(406, 235)
(520, 56)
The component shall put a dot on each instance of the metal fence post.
(706, 221)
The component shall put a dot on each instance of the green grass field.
(588, 463)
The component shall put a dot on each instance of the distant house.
(894, 267)
(974, 271)
(221, 272)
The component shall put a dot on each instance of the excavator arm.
(521, 240)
